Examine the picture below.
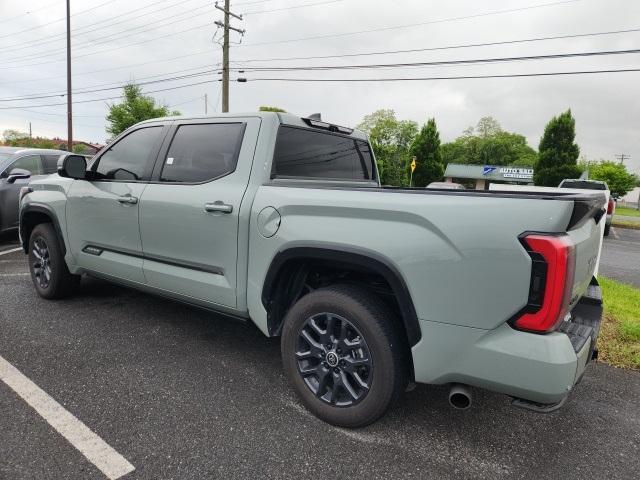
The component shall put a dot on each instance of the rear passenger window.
(202, 152)
(307, 153)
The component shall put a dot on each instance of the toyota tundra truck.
(282, 221)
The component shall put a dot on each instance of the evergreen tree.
(426, 149)
(557, 153)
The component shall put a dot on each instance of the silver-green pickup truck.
(281, 220)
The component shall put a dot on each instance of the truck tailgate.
(586, 240)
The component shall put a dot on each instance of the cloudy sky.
(114, 41)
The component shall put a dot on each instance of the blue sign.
(486, 170)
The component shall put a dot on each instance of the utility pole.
(69, 111)
(622, 157)
(29, 130)
(205, 103)
(225, 50)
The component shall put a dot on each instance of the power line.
(441, 62)
(119, 84)
(337, 67)
(208, 25)
(387, 52)
(118, 87)
(349, 80)
(447, 47)
(257, 12)
(105, 39)
(107, 98)
(78, 31)
(496, 12)
(465, 77)
(418, 24)
(57, 20)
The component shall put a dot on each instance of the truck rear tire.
(342, 353)
(49, 272)
(606, 230)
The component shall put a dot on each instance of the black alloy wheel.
(42, 262)
(334, 360)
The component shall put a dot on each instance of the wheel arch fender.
(354, 256)
(34, 214)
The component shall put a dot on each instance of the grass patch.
(625, 224)
(619, 341)
(630, 212)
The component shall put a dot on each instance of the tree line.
(396, 142)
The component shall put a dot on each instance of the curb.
(626, 225)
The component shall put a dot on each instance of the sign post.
(413, 167)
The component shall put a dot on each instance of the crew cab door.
(189, 214)
(102, 213)
(9, 190)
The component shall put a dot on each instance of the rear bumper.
(537, 368)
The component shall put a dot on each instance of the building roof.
(502, 173)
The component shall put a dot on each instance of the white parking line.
(5, 252)
(97, 451)
(14, 274)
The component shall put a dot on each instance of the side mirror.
(73, 166)
(18, 174)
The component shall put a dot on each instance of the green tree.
(11, 135)
(426, 149)
(619, 180)
(266, 108)
(391, 139)
(135, 107)
(80, 148)
(558, 153)
(488, 144)
(488, 126)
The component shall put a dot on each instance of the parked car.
(281, 220)
(17, 167)
(449, 185)
(594, 185)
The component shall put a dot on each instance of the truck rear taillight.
(553, 264)
(611, 206)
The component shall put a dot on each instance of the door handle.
(128, 199)
(218, 207)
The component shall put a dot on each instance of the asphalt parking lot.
(621, 256)
(182, 393)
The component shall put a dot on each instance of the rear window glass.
(584, 185)
(203, 152)
(307, 153)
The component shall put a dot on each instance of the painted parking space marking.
(96, 450)
(6, 252)
(14, 274)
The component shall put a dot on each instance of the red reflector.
(559, 254)
(610, 206)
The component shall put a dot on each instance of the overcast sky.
(606, 106)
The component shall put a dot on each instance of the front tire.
(49, 272)
(342, 354)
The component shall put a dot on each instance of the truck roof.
(282, 117)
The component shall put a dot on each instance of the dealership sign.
(517, 172)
